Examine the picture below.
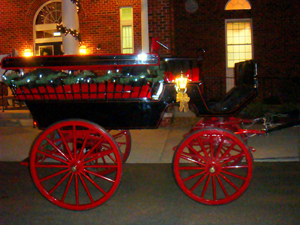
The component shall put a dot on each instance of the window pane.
(126, 14)
(239, 44)
(237, 5)
(127, 39)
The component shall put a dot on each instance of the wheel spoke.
(220, 147)
(96, 185)
(203, 148)
(119, 135)
(211, 147)
(86, 189)
(226, 152)
(222, 186)
(59, 183)
(76, 189)
(74, 143)
(65, 143)
(235, 167)
(205, 186)
(229, 182)
(191, 168)
(84, 144)
(91, 150)
(51, 166)
(193, 176)
(198, 182)
(53, 175)
(214, 187)
(234, 175)
(191, 160)
(57, 149)
(67, 188)
(100, 176)
(52, 157)
(232, 158)
(99, 155)
(197, 153)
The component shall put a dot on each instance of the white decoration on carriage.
(159, 91)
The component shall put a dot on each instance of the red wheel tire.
(66, 162)
(217, 178)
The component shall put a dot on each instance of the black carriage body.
(134, 112)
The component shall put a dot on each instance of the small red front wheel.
(67, 162)
(206, 168)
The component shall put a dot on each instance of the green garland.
(67, 31)
(41, 77)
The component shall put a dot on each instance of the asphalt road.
(148, 194)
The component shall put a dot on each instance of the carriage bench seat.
(244, 91)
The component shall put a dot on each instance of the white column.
(145, 30)
(70, 21)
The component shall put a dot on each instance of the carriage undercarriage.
(77, 161)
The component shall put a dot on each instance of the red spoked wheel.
(206, 169)
(67, 162)
(123, 139)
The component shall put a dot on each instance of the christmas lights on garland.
(41, 77)
(67, 31)
(77, 3)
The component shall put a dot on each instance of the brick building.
(187, 26)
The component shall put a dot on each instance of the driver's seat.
(245, 88)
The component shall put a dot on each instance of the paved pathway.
(149, 195)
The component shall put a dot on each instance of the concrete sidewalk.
(148, 146)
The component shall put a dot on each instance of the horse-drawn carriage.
(86, 113)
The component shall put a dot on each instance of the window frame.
(230, 70)
(43, 27)
(124, 23)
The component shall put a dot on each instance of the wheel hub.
(212, 169)
(74, 168)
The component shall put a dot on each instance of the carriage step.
(25, 162)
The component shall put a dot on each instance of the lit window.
(237, 5)
(239, 42)
(126, 16)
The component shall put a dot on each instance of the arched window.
(237, 5)
(48, 40)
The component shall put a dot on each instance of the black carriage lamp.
(182, 97)
(98, 47)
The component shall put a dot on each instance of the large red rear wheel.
(206, 168)
(67, 162)
(123, 139)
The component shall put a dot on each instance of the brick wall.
(276, 30)
(160, 17)
(16, 24)
(100, 24)
(276, 35)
